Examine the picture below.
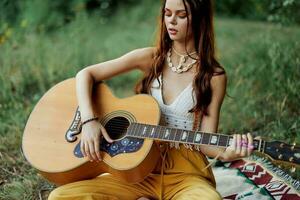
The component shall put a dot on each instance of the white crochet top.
(175, 115)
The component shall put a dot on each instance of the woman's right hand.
(90, 140)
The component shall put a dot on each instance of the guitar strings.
(119, 123)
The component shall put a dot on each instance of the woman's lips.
(172, 31)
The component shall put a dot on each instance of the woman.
(181, 72)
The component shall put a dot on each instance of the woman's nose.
(173, 19)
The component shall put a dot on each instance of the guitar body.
(51, 139)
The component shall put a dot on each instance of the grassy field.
(262, 62)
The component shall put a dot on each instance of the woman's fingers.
(82, 148)
(97, 149)
(233, 143)
(241, 146)
(105, 135)
(244, 146)
(92, 151)
(238, 144)
(87, 150)
(250, 144)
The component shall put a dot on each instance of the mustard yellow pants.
(178, 176)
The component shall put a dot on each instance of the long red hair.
(203, 32)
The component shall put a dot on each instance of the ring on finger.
(244, 145)
(244, 142)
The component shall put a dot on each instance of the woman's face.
(176, 17)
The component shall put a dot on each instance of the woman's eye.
(182, 15)
(167, 14)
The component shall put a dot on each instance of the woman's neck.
(180, 47)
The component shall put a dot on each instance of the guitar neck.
(164, 133)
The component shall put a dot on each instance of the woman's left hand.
(241, 146)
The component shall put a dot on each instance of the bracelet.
(89, 120)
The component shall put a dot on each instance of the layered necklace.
(182, 65)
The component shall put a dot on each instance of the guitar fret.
(156, 135)
(167, 134)
(256, 144)
(149, 128)
(191, 137)
(130, 130)
(223, 141)
(184, 135)
(172, 134)
(152, 132)
(229, 141)
(198, 138)
(213, 140)
(206, 138)
(147, 132)
(161, 132)
(144, 131)
(136, 129)
(135, 132)
(140, 130)
(177, 136)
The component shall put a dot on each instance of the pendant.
(182, 59)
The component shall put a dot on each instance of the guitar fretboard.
(164, 133)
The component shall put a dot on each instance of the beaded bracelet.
(89, 120)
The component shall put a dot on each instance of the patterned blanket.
(254, 178)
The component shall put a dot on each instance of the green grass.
(261, 60)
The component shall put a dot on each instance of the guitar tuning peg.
(281, 145)
(293, 146)
(293, 169)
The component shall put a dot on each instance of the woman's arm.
(137, 59)
(210, 124)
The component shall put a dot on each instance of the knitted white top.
(175, 115)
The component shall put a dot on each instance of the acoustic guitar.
(51, 139)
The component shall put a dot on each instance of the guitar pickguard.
(125, 145)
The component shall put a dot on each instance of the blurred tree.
(8, 10)
(250, 9)
(285, 12)
(49, 15)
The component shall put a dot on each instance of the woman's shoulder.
(219, 70)
(219, 80)
(145, 55)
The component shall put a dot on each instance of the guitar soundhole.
(117, 127)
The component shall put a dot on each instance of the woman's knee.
(55, 194)
(197, 194)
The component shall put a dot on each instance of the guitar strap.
(196, 120)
